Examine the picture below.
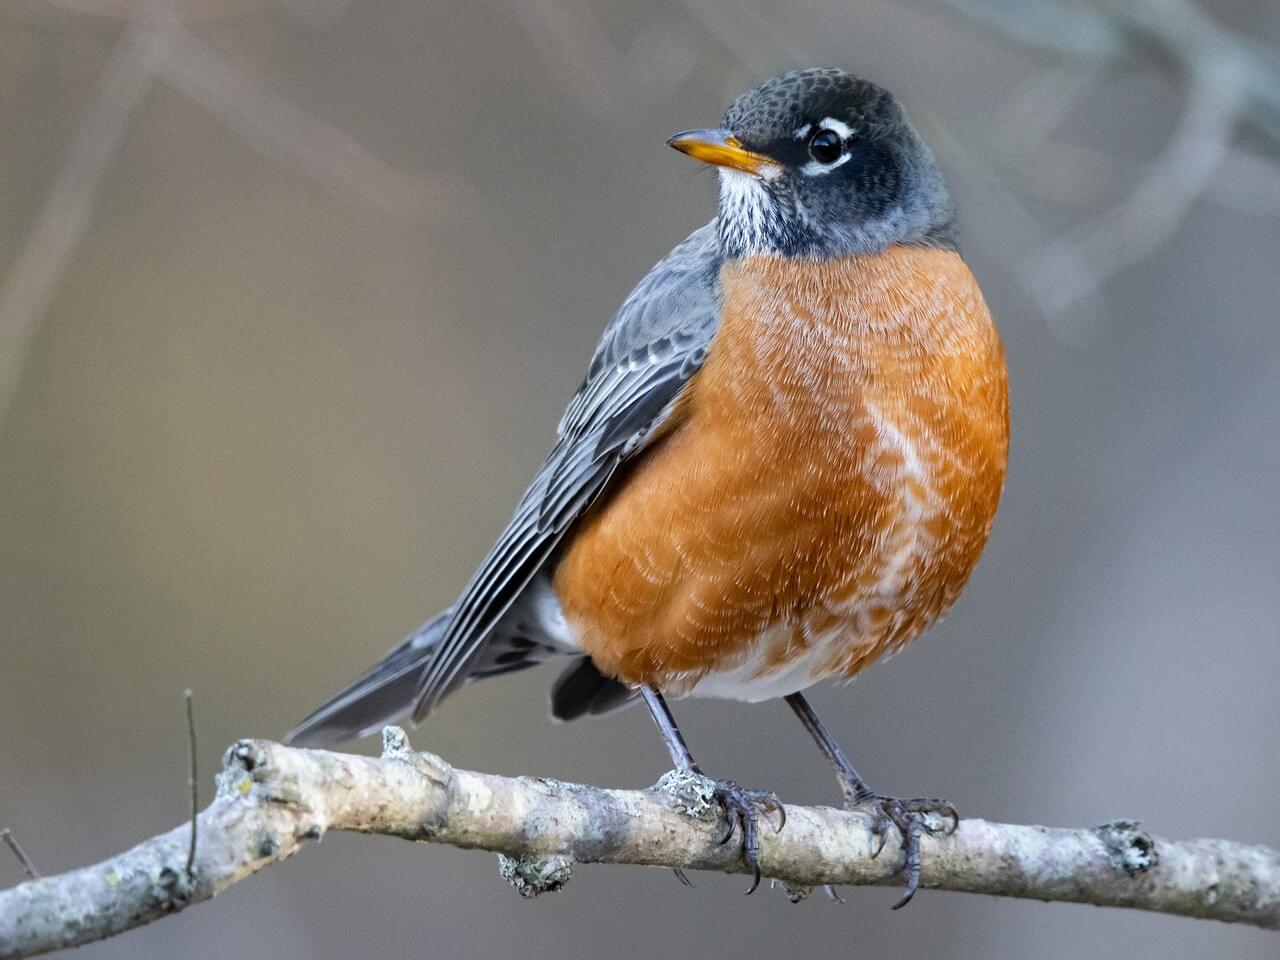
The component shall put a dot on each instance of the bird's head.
(819, 163)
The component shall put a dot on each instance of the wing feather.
(655, 343)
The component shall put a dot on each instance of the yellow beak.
(722, 148)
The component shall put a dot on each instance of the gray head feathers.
(851, 175)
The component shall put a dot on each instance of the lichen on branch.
(271, 799)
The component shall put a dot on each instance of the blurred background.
(292, 293)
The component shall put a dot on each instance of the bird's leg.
(742, 808)
(909, 816)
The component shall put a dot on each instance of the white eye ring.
(829, 125)
(837, 126)
(826, 147)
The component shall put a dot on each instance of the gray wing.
(656, 341)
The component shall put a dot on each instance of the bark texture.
(272, 799)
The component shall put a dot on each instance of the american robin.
(783, 463)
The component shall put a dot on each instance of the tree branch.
(272, 798)
(1233, 82)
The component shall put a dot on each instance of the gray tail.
(387, 691)
(383, 695)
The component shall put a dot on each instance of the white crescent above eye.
(840, 129)
(837, 126)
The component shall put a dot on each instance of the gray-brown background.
(283, 396)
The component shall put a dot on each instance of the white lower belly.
(755, 679)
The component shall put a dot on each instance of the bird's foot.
(698, 795)
(913, 818)
(742, 811)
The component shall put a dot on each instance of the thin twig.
(155, 44)
(1063, 28)
(1129, 232)
(194, 783)
(12, 843)
(272, 799)
(276, 126)
(603, 79)
(1233, 83)
(52, 241)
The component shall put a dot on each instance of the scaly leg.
(742, 808)
(907, 815)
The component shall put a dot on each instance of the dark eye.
(825, 146)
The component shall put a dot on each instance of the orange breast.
(827, 489)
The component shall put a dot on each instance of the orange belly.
(826, 489)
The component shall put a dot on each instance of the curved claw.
(732, 820)
(776, 814)
(911, 861)
(751, 846)
(755, 879)
(943, 809)
(909, 817)
(952, 815)
(878, 830)
(743, 809)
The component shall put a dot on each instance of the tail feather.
(386, 693)
(583, 690)
(383, 695)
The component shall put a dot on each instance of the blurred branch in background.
(156, 45)
(600, 78)
(274, 125)
(1232, 84)
(26, 296)
(272, 798)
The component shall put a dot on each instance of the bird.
(783, 463)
